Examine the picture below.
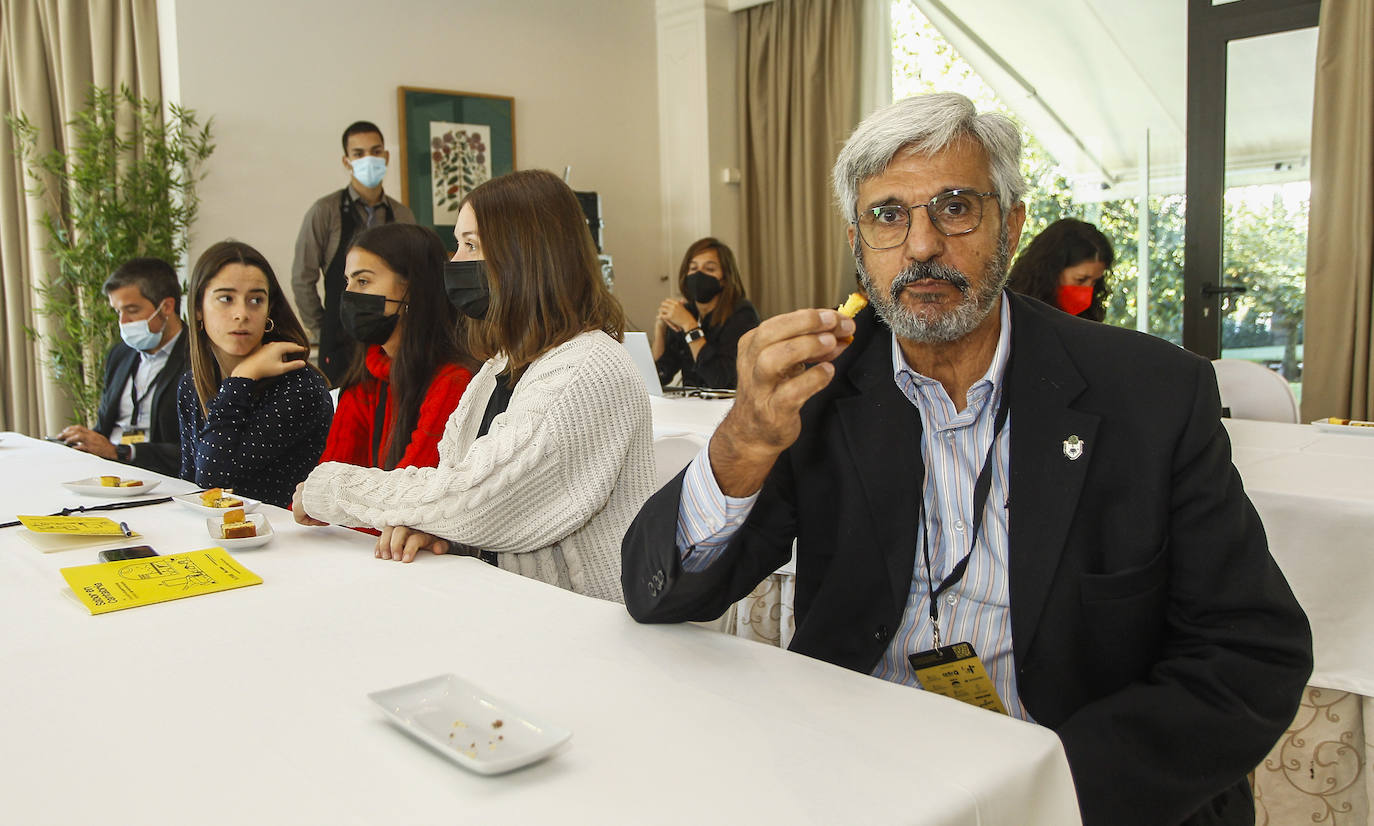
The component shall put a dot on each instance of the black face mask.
(702, 287)
(364, 317)
(465, 282)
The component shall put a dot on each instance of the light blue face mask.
(369, 170)
(137, 335)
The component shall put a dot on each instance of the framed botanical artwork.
(450, 143)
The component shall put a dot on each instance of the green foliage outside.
(127, 188)
(1265, 227)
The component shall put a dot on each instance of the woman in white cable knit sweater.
(549, 455)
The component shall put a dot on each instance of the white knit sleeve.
(547, 465)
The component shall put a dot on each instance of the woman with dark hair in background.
(550, 453)
(253, 414)
(1065, 267)
(699, 335)
(408, 370)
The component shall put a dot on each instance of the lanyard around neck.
(135, 398)
(981, 487)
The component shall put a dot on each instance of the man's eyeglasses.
(956, 212)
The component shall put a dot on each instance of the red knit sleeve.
(440, 401)
(350, 434)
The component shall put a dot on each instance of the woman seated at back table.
(699, 335)
(549, 455)
(1065, 267)
(253, 413)
(408, 370)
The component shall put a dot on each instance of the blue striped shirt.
(954, 445)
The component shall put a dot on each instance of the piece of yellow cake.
(853, 305)
(220, 498)
(235, 525)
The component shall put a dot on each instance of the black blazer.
(162, 451)
(1151, 628)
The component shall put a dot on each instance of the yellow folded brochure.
(74, 525)
(68, 533)
(114, 586)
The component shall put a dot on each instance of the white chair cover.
(673, 453)
(1253, 391)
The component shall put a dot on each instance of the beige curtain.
(51, 52)
(798, 70)
(1338, 378)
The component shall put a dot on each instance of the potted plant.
(125, 188)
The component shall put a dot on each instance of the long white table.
(677, 415)
(249, 705)
(1314, 491)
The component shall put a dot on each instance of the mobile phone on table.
(122, 554)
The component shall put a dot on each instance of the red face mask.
(1074, 299)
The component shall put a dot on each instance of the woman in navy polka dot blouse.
(254, 414)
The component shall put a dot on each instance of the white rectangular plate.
(215, 523)
(92, 487)
(1349, 430)
(459, 720)
(192, 501)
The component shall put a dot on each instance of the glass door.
(1269, 90)
(1251, 65)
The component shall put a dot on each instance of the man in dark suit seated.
(980, 481)
(137, 419)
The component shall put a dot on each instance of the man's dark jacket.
(162, 451)
(1151, 628)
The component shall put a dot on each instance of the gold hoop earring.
(271, 325)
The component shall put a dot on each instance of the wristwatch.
(693, 334)
(124, 453)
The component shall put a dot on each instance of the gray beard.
(935, 327)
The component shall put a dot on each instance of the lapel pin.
(1073, 447)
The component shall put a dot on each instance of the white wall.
(724, 127)
(698, 123)
(282, 79)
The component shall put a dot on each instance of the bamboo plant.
(125, 188)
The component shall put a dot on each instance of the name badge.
(956, 671)
(133, 436)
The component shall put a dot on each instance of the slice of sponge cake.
(236, 526)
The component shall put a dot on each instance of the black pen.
(115, 506)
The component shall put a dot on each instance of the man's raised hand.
(781, 363)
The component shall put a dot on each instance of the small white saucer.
(1347, 429)
(92, 487)
(192, 501)
(468, 726)
(214, 524)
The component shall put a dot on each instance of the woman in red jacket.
(409, 370)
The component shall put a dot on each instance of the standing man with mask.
(137, 419)
(328, 230)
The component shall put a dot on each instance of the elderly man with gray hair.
(978, 479)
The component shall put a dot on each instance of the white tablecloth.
(675, 415)
(249, 706)
(1314, 490)
(1315, 493)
